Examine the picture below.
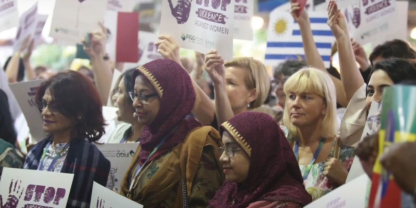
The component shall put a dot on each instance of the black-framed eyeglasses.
(230, 152)
(52, 106)
(144, 99)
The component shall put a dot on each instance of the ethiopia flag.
(398, 124)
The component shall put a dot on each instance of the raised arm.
(350, 74)
(26, 62)
(101, 66)
(12, 69)
(214, 64)
(204, 109)
(313, 58)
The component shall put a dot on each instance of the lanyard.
(139, 167)
(309, 167)
(57, 156)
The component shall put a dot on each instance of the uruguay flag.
(284, 39)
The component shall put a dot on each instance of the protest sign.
(371, 127)
(342, 4)
(25, 95)
(72, 20)
(243, 12)
(120, 156)
(9, 16)
(122, 36)
(371, 19)
(102, 197)
(398, 124)
(120, 5)
(40, 24)
(353, 194)
(32, 188)
(147, 50)
(200, 25)
(27, 26)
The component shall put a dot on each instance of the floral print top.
(207, 181)
(316, 184)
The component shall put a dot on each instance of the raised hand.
(28, 54)
(360, 56)
(168, 48)
(214, 65)
(337, 21)
(398, 161)
(98, 39)
(336, 171)
(300, 18)
(25, 44)
(15, 193)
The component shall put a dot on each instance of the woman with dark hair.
(176, 163)
(391, 72)
(258, 174)
(130, 129)
(72, 115)
(9, 156)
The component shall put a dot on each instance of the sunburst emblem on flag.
(281, 26)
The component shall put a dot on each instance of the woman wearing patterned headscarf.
(258, 174)
(176, 163)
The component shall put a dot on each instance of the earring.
(248, 105)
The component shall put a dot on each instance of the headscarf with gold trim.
(177, 97)
(273, 175)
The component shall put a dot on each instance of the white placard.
(102, 197)
(40, 24)
(32, 188)
(27, 26)
(371, 127)
(342, 4)
(120, 5)
(371, 19)
(72, 20)
(9, 16)
(243, 13)
(200, 25)
(147, 50)
(25, 95)
(353, 194)
(120, 156)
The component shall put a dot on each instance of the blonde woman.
(310, 116)
(240, 85)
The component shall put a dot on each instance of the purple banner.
(377, 7)
(211, 16)
(240, 9)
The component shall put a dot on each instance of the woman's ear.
(252, 96)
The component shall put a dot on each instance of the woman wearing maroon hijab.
(176, 163)
(259, 165)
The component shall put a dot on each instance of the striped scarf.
(84, 160)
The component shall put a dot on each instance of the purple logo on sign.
(33, 194)
(240, 9)
(211, 16)
(377, 7)
(356, 18)
(181, 10)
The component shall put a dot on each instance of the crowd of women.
(234, 151)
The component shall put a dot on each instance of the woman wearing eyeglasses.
(258, 174)
(72, 115)
(176, 164)
(130, 128)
